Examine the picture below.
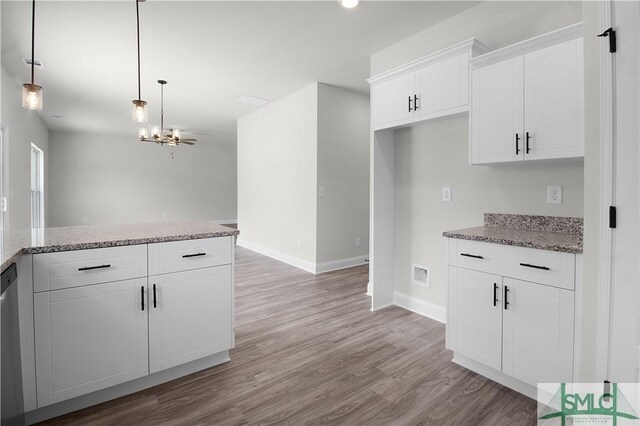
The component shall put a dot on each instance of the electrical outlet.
(321, 191)
(554, 194)
(299, 243)
(357, 241)
(446, 193)
(84, 219)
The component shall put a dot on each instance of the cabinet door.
(190, 316)
(443, 87)
(538, 333)
(392, 101)
(476, 316)
(554, 101)
(496, 114)
(89, 338)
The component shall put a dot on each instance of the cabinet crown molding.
(473, 45)
(545, 40)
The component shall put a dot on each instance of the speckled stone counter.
(553, 233)
(49, 240)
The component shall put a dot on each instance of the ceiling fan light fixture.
(349, 4)
(31, 96)
(31, 92)
(140, 113)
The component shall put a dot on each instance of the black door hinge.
(612, 216)
(611, 33)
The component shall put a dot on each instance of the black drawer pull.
(535, 266)
(194, 255)
(506, 297)
(155, 303)
(517, 144)
(89, 268)
(475, 256)
(527, 149)
(142, 294)
(495, 294)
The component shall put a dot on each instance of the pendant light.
(31, 92)
(140, 113)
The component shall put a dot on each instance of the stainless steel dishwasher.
(11, 372)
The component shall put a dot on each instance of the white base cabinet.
(522, 329)
(89, 338)
(94, 331)
(190, 316)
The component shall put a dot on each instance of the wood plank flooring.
(309, 351)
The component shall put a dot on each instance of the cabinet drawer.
(179, 256)
(551, 268)
(56, 271)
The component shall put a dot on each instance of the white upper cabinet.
(497, 112)
(393, 100)
(527, 100)
(434, 86)
(554, 101)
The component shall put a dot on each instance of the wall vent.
(251, 100)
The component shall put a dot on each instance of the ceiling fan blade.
(187, 142)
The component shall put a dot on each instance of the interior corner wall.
(435, 155)
(22, 128)
(277, 177)
(111, 179)
(343, 173)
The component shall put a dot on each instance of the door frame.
(607, 192)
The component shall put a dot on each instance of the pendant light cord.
(138, 28)
(162, 110)
(33, 40)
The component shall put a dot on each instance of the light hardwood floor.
(309, 351)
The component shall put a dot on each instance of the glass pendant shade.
(143, 134)
(140, 113)
(349, 4)
(31, 96)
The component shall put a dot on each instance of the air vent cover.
(251, 100)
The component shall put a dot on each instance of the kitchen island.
(110, 310)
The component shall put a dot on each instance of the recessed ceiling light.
(36, 63)
(349, 4)
(251, 100)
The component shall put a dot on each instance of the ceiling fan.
(173, 138)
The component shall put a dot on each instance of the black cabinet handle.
(506, 297)
(495, 294)
(527, 143)
(155, 303)
(89, 268)
(535, 266)
(475, 256)
(194, 255)
(142, 294)
(415, 102)
(410, 104)
(517, 144)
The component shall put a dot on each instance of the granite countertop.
(553, 233)
(50, 240)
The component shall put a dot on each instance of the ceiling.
(210, 52)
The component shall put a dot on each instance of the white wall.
(277, 175)
(118, 179)
(23, 127)
(434, 155)
(288, 149)
(343, 171)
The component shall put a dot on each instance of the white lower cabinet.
(190, 316)
(89, 338)
(521, 329)
(96, 334)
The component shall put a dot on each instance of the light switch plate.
(446, 193)
(554, 194)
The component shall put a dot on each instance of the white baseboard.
(335, 265)
(419, 306)
(305, 265)
(277, 255)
